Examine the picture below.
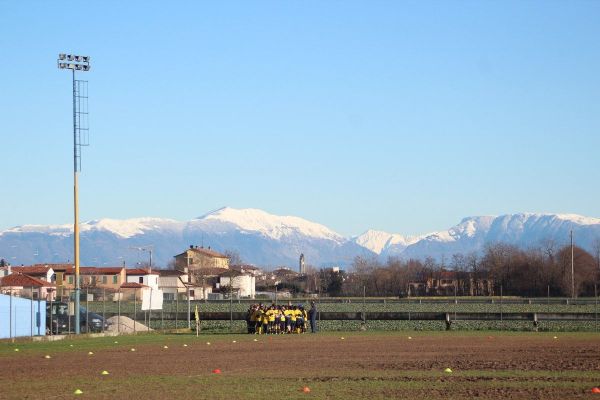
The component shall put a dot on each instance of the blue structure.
(21, 317)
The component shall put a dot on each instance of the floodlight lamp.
(71, 66)
(86, 67)
(86, 58)
(77, 58)
(62, 65)
(70, 57)
(62, 56)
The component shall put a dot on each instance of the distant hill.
(268, 240)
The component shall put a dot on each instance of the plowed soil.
(513, 366)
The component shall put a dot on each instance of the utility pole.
(572, 268)
(80, 138)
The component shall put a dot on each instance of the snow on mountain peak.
(274, 226)
(128, 227)
(377, 241)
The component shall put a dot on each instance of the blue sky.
(392, 115)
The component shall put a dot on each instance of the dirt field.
(368, 365)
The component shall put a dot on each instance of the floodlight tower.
(80, 138)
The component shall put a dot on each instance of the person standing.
(312, 313)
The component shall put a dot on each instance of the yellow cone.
(256, 340)
(185, 345)
(77, 391)
(343, 338)
(410, 338)
(104, 373)
(132, 349)
(165, 347)
(116, 342)
(448, 371)
(208, 343)
(47, 356)
(235, 341)
(16, 349)
(91, 353)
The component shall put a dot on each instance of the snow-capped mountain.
(524, 230)
(259, 237)
(378, 241)
(270, 240)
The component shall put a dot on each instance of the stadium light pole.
(77, 63)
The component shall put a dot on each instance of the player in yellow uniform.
(271, 313)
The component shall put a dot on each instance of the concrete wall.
(18, 319)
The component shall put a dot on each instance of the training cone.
(208, 343)
(216, 371)
(16, 349)
(91, 353)
(70, 345)
(256, 340)
(132, 349)
(305, 389)
(116, 342)
(184, 345)
(165, 347)
(448, 371)
(235, 341)
(555, 337)
(342, 338)
(104, 373)
(596, 390)
(77, 391)
(410, 338)
(47, 356)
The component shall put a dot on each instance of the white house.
(172, 283)
(244, 284)
(143, 277)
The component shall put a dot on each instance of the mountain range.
(269, 240)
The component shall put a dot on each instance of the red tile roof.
(22, 280)
(138, 271)
(132, 285)
(32, 270)
(70, 269)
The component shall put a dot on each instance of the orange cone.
(596, 390)
(216, 371)
(305, 389)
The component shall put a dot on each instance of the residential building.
(40, 271)
(199, 258)
(450, 283)
(242, 284)
(23, 285)
(173, 283)
(143, 276)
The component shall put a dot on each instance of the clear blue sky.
(393, 115)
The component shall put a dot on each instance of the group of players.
(276, 320)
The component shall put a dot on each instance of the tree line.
(533, 272)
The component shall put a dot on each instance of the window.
(71, 280)
(168, 296)
(105, 279)
(115, 279)
(141, 279)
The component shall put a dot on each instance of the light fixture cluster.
(72, 61)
